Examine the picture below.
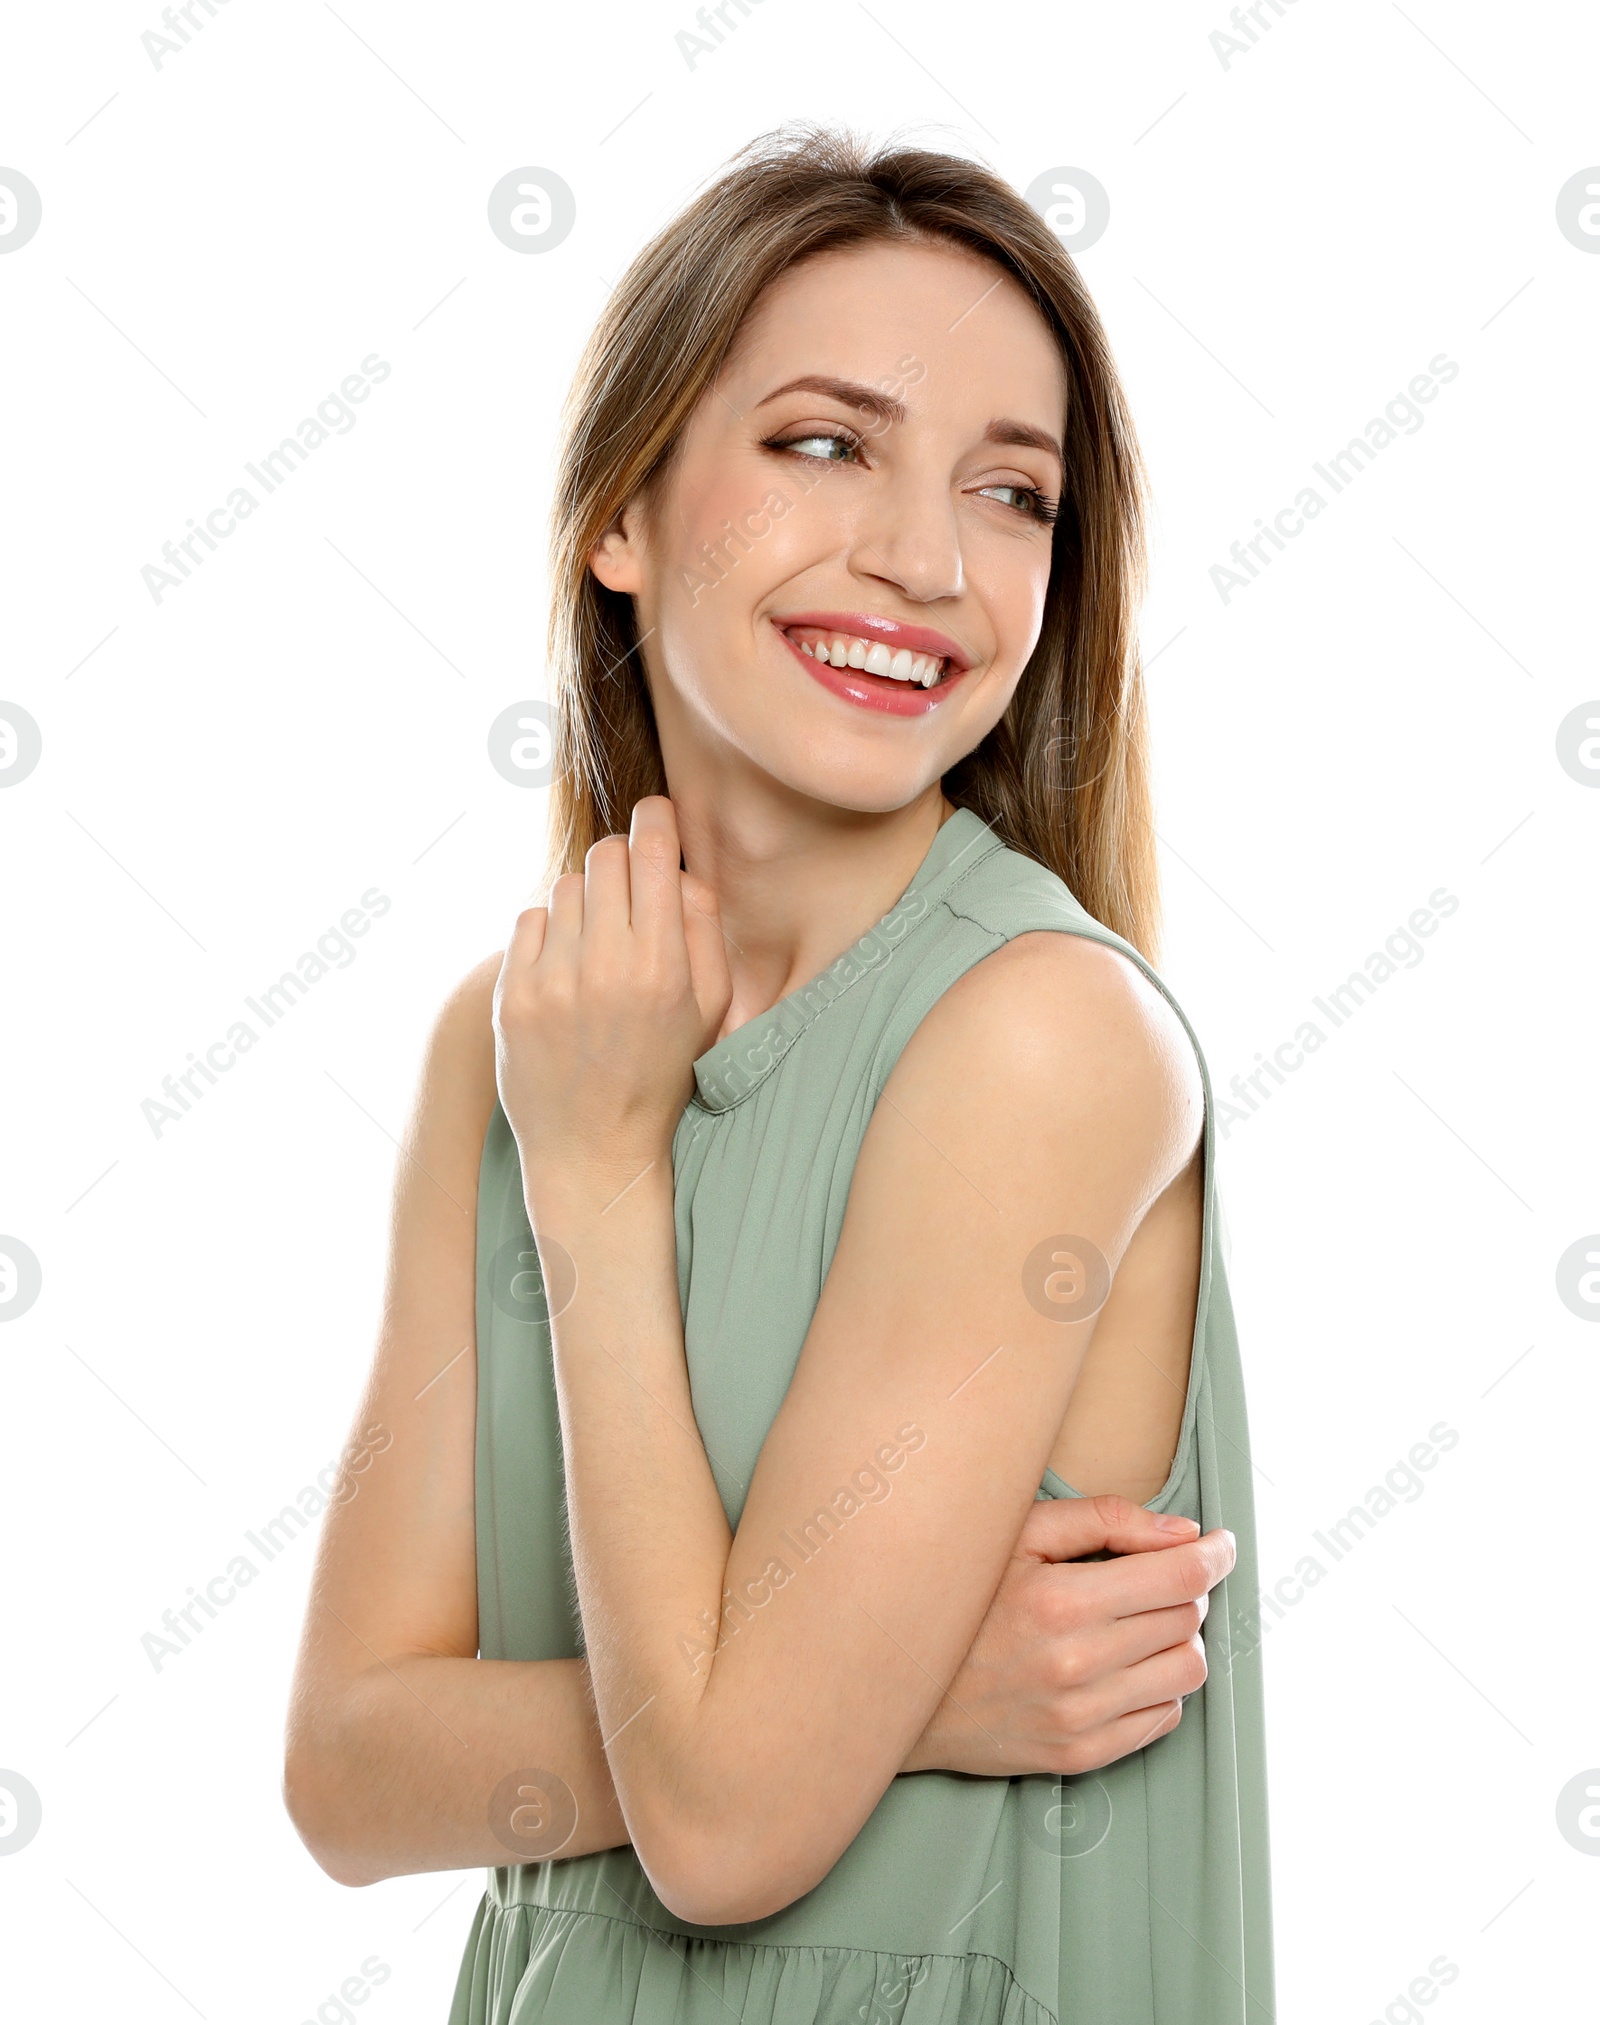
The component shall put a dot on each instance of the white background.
(1294, 234)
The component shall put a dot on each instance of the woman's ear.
(616, 559)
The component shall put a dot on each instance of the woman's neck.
(796, 887)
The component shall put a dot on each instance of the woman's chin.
(866, 790)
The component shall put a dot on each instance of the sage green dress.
(1136, 1895)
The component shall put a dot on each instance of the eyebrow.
(884, 408)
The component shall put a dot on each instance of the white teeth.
(842, 650)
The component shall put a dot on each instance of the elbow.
(316, 1822)
(703, 1898)
(322, 1788)
(720, 1877)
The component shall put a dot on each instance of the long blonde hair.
(1064, 775)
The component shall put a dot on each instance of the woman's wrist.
(576, 1187)
(951, 1742)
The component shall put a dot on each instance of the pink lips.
(892, 632)
(877, 692)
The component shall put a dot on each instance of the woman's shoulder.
(457, 1091)
(1059, 971)
(1074, 1025)
(463, 1027)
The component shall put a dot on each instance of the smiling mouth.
(896, 666)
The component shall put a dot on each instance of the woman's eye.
(805, 443)
(1028, 499)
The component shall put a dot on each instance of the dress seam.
(782, 1947)
(792, 1040)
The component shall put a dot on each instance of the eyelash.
(1041, 509)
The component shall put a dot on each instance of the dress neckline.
(733, 1067)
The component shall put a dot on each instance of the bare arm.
(400, 1738)
(740, 1783)
(398, 1734)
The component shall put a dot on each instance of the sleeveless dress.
(1135, 1895)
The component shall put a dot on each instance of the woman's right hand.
(1078, 1663)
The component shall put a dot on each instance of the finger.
(527, 940)
(708, 948)
(1061, 1529)
(606, 892)
(1125, 1734)
(565, 915)
(654, 852)
(1134, 1639)
(1155, 1581)
(1163, 1677)
(1143, 1690)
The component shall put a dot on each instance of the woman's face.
(869, 482)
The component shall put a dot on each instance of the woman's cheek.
(744, 526)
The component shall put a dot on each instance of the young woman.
(806, 1241)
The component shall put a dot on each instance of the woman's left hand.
(605, 998)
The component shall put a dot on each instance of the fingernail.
(1171, 1522)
